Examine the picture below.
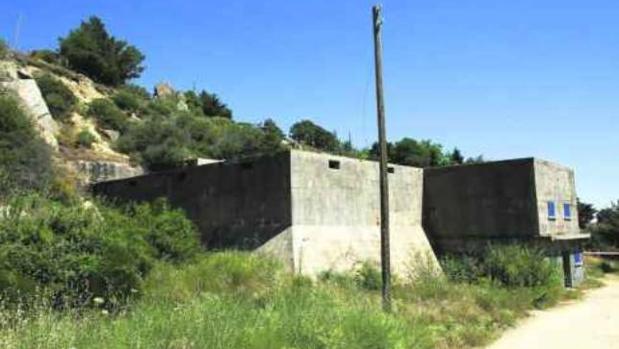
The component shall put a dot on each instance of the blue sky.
(499, 78)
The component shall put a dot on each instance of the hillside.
(97, 160)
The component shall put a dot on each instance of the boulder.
(112, 135)
(163, 90)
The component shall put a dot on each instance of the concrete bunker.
(528, 201)
(313, 211)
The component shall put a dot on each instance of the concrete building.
(524, 200)
(319, 212)
(315, 212)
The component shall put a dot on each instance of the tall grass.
(240, 300)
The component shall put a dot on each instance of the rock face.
(8, 71)
(163, 90)
(32, 100)
(97, 171)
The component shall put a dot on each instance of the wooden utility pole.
(385, 257)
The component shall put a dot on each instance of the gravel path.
(589, 323)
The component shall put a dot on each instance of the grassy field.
(237, 300)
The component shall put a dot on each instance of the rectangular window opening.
(552, 214)
(567, 212)
(334, 164)
(390, 169)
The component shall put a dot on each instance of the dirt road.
(592, 322)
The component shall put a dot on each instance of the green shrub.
(85, 139)
(155, 143)
(59, 99)
(165, 141)
(25, 159)
(174, 237)
(130, 100)
(369, 277)
(77, 252)
(462, 268)
(48, 56)
(4, 49)
(108, 114)
(518, 266)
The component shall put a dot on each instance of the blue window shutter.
(552, 214)
(567, 211)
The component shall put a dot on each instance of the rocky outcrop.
(32, 100)
(163, 90)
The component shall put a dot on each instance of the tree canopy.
(308, 133)
(92, 51)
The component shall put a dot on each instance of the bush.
(108, 114)
(165, 141)
(4, 49)
(308, 133)
(59, 99)
(369, 277)
(85, 139)
(130, 99)
(77, 252)
(92, 51)
(48, 56)
(517, 266)
(174, 238)
(510, 266)
(25, 159)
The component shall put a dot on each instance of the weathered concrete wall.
(240, 205)
(489, 201)
(336, 214)
(555, 183)
(295, 207)
(99, 171)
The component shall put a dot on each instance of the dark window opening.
(334, 164)
(390, 169)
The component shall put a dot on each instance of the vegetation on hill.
(59, 99)
(163, 141)
(73, 252)
(108, 114)
(25, 159)
(4, 48)
(92, 51)
(207, 104)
